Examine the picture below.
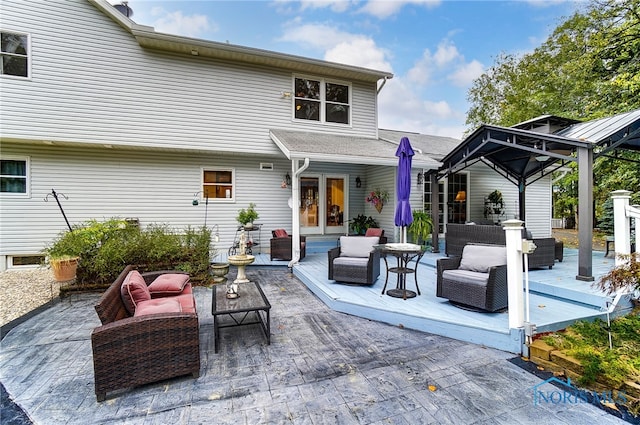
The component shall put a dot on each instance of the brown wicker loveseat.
(281, 244)
(131, 350)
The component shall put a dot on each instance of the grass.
(588, 342)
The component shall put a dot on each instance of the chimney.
(124, 9)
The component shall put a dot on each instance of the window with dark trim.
(13, 176)
(322, 101)
(14, 54)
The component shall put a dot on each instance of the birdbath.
(240, 261)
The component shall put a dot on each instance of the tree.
(588, 68)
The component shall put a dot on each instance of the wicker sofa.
(477, 279)
(149, 345)
(355, 261)
(458, 235)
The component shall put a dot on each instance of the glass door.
(323, 204)
(309, 204)
(336, 204)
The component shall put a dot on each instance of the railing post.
(513, 233)
(621, 227)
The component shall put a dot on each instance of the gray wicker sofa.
(477, 279)
(458, 235)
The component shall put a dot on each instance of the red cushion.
(280, 233)
(169, 284)
(134, 290)
(187, 303)
(374, 231)
(161, 305)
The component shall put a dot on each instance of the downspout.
(295, 212)
(382, 85)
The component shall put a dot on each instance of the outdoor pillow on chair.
(357, 246)
(160, 305)
(168, 284)
(280, 233)
(133, 291)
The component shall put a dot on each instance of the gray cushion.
(480, 258)
(351, 262)
(357, 246)
(466, 276)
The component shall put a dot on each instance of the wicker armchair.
(131, 351)
(477, 280)
(281, 244)
(355, 261)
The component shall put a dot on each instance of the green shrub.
(105, 248)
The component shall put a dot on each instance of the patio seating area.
(322, 367)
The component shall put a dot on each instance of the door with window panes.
(323, 204)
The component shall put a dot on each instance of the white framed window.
(15, 51)
(14, 176)
(320, 100)
(218, 184)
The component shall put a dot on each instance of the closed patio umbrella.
(404, 216)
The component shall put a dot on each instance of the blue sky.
(435, 49)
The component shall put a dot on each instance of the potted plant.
(361, 223)
(420, 228)
(63, 255)
(246, 217)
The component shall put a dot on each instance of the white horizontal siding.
(483, 181)
(92, 82)
(153, 187)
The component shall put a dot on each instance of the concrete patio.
(322, 367)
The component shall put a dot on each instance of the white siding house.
(127, 122)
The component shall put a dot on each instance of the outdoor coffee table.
(250, 308)
(404, 253)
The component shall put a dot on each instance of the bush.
(105, 248)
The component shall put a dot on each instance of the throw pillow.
(133, 290)
(357, 246)
(280, 233)
(169, 284)
(480, 258)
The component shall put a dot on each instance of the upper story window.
(14, 58)
(322, 101)
(218, 184)
(14, 174)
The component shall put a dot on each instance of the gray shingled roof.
(436, 147)
(328, 147)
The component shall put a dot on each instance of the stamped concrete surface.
(322, 367)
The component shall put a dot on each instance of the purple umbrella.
(404, 216)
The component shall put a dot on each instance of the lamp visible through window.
(461, 196)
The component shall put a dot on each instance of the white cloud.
(402, 108)
(177, 23)
(385, 8)
(339, 46)
(464, 75)
(360, 51)
(446, 53)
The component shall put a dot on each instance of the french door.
(323, 204)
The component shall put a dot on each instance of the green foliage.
(247, 216)
(589, 343)
(420, 228)
(361, 223)
(105, 248)
(588, 68)
(605, 223)
(625, 277)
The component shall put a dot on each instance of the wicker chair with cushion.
(281, 244)
(478, 279)
(355, 261)
(149, 331)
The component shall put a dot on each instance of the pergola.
(531, 150)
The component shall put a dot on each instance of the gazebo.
(533, 149)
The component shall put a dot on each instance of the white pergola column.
(513, 233)
(621, 227)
